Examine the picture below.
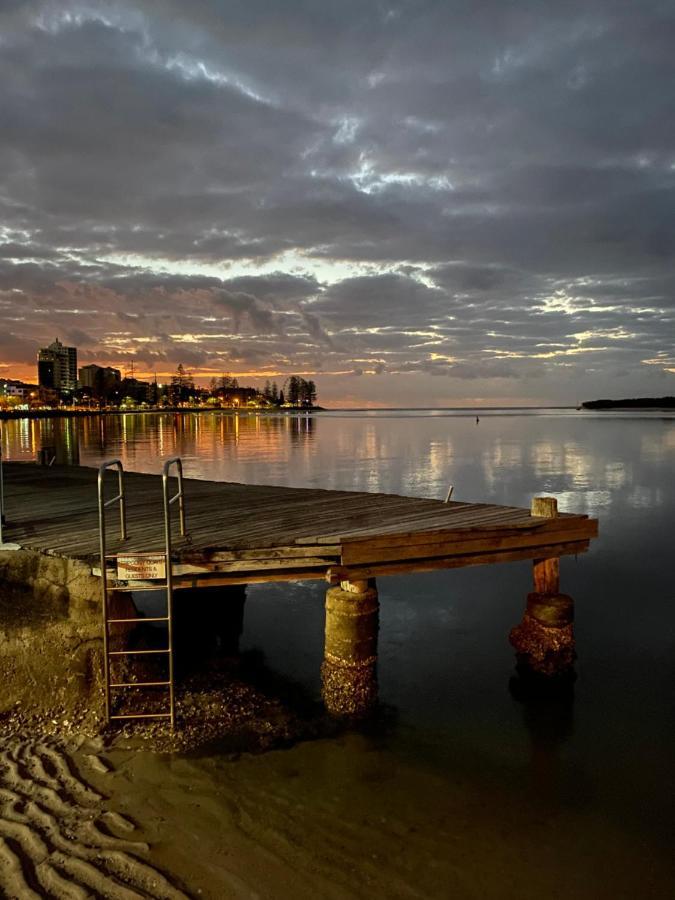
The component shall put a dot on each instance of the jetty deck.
(243, 533)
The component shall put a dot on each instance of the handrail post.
(168, 501)
(179, 496)
(102, 505)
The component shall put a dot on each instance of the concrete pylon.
(349, 670)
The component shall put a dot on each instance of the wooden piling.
(546, 572)
(544, 640)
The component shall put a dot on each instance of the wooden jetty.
(241, 534)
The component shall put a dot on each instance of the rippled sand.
(338, 818)
(60, 837)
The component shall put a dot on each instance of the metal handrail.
(121, 497)
(102, 506)
(178, 496)
(168, 502)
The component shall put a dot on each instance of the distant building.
(100, 381)
(11, 388)
(88, 376)
(46, 371)
(57, 367)
(138, 391)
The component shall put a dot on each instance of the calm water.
(597, 769)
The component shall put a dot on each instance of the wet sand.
(335, 818)
(60, 836)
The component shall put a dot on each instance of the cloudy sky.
(412, 202)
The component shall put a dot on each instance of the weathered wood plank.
(342, 573)
(271, 565)
(458, 544)
(452, 530)
(224, 579)
(325, 551)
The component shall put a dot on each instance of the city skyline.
(413, 203)
(61, 383)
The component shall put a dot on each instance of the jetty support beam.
(544, 640)
(349, 670)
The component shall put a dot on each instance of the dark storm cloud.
(278, 287)
(457, 189)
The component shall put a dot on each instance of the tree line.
(295, 391)
(298, 392)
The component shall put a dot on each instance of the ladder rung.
(139, 621)
(144, 716)
(122, 684)
(136, 652)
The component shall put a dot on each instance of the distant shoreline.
(83, 413)
(632, 403)
(644, 403)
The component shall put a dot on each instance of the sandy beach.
(59, 835)
(338, 818)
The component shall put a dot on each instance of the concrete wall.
(50, 638)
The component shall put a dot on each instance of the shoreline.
(61, 413)
(11, 415)
(582, 411)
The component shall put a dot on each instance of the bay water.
(471, 789)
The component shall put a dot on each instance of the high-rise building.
(46, 370)
(57, 367)
(98, 380)
(89, 376)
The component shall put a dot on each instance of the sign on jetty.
(240, 534)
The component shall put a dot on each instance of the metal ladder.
(103, 504)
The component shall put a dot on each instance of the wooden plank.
(344, 573)
(270, 553)
(462, 544)
(223, 580)
(443, 535)
(427, 522)
(263, 565)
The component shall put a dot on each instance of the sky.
(413, 203)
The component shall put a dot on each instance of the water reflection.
(588, 463)
(548, 716)
(53, 441)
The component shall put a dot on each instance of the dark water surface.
(569, 796)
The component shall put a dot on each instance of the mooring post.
(349, 670)
(544, 640)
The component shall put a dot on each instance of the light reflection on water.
(585, 460)
(444, 656)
